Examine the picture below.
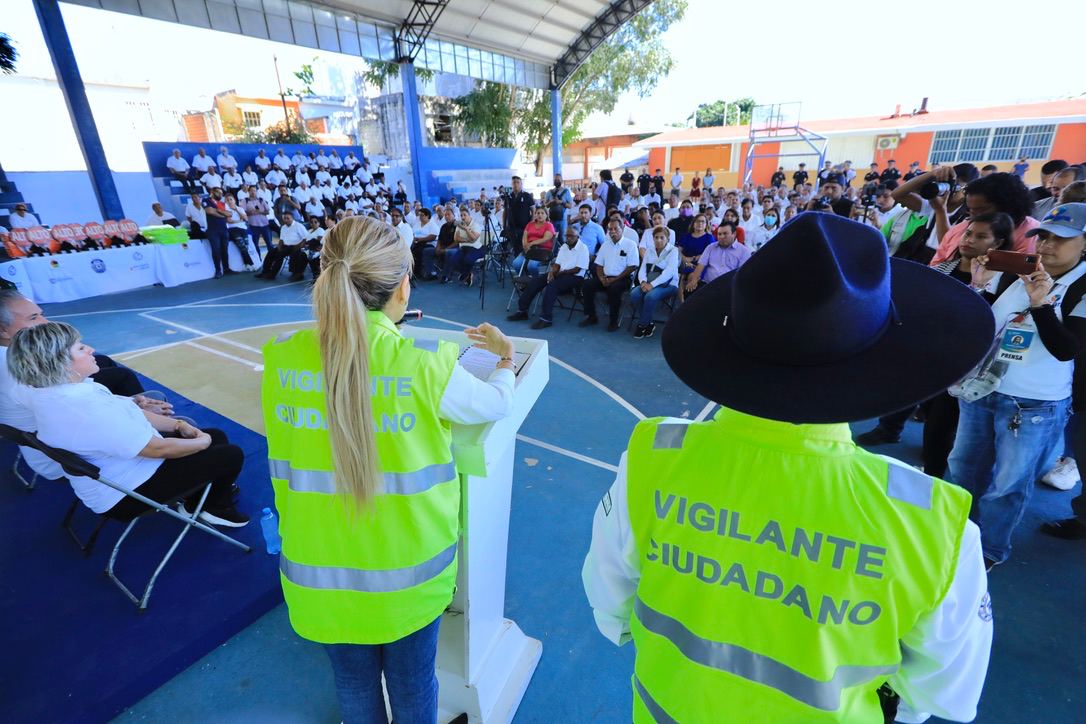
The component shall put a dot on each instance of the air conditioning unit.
(887, 143)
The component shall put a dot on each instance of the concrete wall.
(65, 197)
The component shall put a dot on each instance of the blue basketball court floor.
(203, 341)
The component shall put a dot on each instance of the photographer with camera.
(879, 207)
(1058, 182)
(910, 235)
(832, 199)
(997, 192)
(518, 212)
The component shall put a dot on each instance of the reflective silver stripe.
(322, 481)
(285, 336)
(736, 660)
(655, 710)
(366, 581)
(909, 485)
(430, 345)
(669, 435)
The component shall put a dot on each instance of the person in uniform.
(766, 568)
(358, 421)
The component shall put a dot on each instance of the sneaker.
(877, 436)
(1063, 476)
(541, 323)
(612, 327)
(588, 322)
(1067, 529)
(295, 277)
(517, 316)
(649, 329)
(230, 517)
(639, 332)
(218, 275)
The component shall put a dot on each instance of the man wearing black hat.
(890, 176)
(762, 563)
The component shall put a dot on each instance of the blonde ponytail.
(362, 263)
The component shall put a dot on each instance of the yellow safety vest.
(377, 575)
(781, 565)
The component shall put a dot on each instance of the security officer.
(767, 569)
(519, 205)
(358, 424)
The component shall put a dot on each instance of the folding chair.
(28, 484)
(520, 279)
(78, 467)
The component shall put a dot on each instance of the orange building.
(998, 136)
(230, 114)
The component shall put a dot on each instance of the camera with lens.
(935, 188)
(867, 200)
(822, 203)
(486, 207)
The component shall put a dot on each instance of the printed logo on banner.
(185, 245)
(54, 263)
(10, 269)
(136, 256)
(98, 266)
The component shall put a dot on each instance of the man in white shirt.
(211, 179)
(249, 177)
(159, 217)
(885, 208)
(262, 163)
(616, 260)
(402, 227)
(314, 209)
(275, 178)
(302, 176)
(566, 274)
(335, 165)
(748, 220)
(196, 217)
(202, 162)
(424, 242)
(289, 248)
(631, 202)
(351, 162)
(21, 218)
(299, 161)
(225, 161)
(281, 161)
(264, 192)
(232, 182)
(676, 181)
(322, 174)
(363, 173)
(322, 160)
(179, 169)
(303, 194)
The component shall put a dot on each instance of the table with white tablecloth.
(78, 275)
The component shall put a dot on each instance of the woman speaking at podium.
(358, 420)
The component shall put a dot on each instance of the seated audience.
(719, 258)
(565, 274)
(539, 235)
(402, 227)
(201, 163)
(257, 208)
(211, 180)
(289, 248)
(691, 246)
(180, 170)
(21, 218)
(159, 217)
(237, 230)
(314, 242)
(262, 163)
(225, 161)
(657, 281)
(591, 233)
(127, 444)
(616, 260)
(424, 243)
(466, 248)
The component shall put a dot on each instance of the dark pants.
(186, 183)
(273, 260)
(551, 291)
(220, 464)
(261, 232)
(240, 237)
(409, 667)
(423, 253)
(116, 378)
(614, 297)
(940, 428)
(516, 239)
(460, 259)
(219, 240)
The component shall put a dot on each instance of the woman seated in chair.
(162, 458)
(538, 235)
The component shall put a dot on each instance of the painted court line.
(705, 412)
(201, 333)
(235, 294)
(256, 366)
(599, 386)
(568, 453)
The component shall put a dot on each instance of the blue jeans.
(261, 232)
(644, 304)
(531, 270)
(460, 259)
(1000, 468)
(409, 666)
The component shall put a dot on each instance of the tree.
(724, 113)
(379, 71)
(8, 54)
(633, 59)
(489, 111)
(305, 75)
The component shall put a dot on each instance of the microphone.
(411, 315)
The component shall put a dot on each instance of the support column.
(413, 118)
(75, 96)
(556, 130)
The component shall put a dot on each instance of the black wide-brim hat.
(820, 326)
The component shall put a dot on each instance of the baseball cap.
(833, 179)
(1065, 221)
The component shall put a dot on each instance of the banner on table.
(64, 277)
(15, 272)
(183, 263)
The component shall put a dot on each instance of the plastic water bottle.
(270, 525)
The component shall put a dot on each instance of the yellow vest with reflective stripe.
(780, 567)
(376, 575)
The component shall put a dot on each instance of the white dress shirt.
(23, 222)
(178, 164)
(226, 161)
(322, 161)
(614, 257)
(262, 162)
(302, 195)
(275, 178)
(335, 162)
(314, 208)
(292, 234)
(250, 178)
(159, 219)
(202, 163)
(945, 656)
(232, 180)
(406, 232)
(575, 258)
(301, 176)
(282, 162)
(430, 228)
(196, 214)
(211, 181)
(646, 237)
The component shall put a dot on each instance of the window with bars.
(1005, 143)
(251, 119)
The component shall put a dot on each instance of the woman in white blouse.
(658, 280)
(163, 458)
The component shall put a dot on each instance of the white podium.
(484, 660)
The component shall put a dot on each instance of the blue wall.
(440, 158)
(66, 197)
(157, 152)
